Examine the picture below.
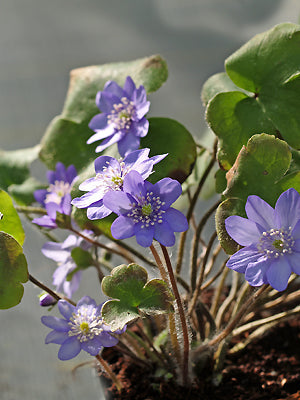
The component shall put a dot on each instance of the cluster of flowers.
(143, 209)
(270, 237)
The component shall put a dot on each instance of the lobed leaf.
(134, 294)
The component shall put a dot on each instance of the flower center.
(111, 178)
(117, 180)
(85, 323)
(57, 191)
(122, 114)
(147, 210)
(276, 242)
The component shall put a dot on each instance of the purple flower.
(61, 253)
(144, 210)
(122, 119)
(82, 328)
(57, 198)
(110, 174)
(271, 238)
(47, 300)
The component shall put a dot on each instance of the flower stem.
(237, 318)
(172, 324)
(110, 373)
(95, 242)
(186, 344)
(192, 206)
(48, 290)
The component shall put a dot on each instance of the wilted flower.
(82, 328)
(271, 238)
(61, 253)
(144, 210)
(57, 198)
(122, 119)
(110, 174)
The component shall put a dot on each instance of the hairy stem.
(110, 373)
(172, 325)
(186, 344)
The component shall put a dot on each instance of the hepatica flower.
(271, 238)
(61, 253)
(122, 119)
(82, 328)
(57, 197)
(110, 174)
(144, 210)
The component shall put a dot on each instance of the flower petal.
(101, 133)
(55, 323)
(242, 230)
(55, 252)
(69, 349)
(109, 141)
(65, 308)
(97, 211)
(134, 184)
(92, 346)
(164, 234)
(107, 340)
(294, 261)
(89, 198)
(129, 86)
(105, 100)
(103, 162)
(140, 128)
(287, 209)
(122, 228)
(56, 337)
(242, 258)
(259, 211)
(128, 143)
(169, 191)
(144, 236)
(278, 274)
(176, 220)
(118, 202)
(256, 272)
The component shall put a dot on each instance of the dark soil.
(268, 369)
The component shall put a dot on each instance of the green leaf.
(268, 65)
(67, 134)
(13, 271)
(166, 135)
(14, 166)
(134, 294)
(82, 258)
(216, 84)
(266, 69)
(232, 206)
(10, 221)
(258, 168)
(235, 117)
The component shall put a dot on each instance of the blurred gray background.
(40, 42)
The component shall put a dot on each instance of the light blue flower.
(122, 119)
(271, 238)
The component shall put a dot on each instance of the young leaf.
(13, 271)
(134, 294)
